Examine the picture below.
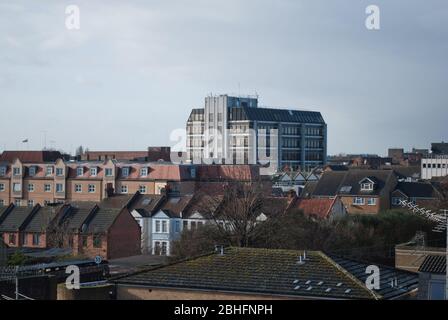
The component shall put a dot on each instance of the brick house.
(361, 191)
(420, 193)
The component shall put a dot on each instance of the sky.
(134, 70)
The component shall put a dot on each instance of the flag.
(25, 141)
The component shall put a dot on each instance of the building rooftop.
(30, 156)
(434, 264)
(257, 271)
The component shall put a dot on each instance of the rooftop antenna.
(442, 225)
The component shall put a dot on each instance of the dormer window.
(59, 172)
(109, 172)
(93, 171)
(125, 172)
(367, 184)
(144, 172)
(2, 171)
(79, 171)
(49, 170)
(16, 171)
(32, 171)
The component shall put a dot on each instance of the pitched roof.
(227, 172)
(417, 189)
(256, 271)
(42, 219)
(15, 218)
(79, 212)
(433, 264)
(174, 206)
(30, 156)
(389, 289)
(102, 220)
(147, 204)
(333, 183)
(315, 207)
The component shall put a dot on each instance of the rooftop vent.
(339, 284)
(320, 283)
(296, 287)
(348, 291)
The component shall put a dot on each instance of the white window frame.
(144, 172)
(92, 188)
(107, 170)
(370, 202)
(30, 187)
(16, 171)
(2, 203)
(2, 171)
(79, 171)
(59, 190)
(78, 188)
(49, 170)
(30, 203)
(19, 189)
(124, 189)
(368, 188)
(47, 189)
(359, 203)
(18, 202)
(161, 226)
(94, 171)
(32, 171)
(125, 169)
(61, 172)
(142, 189)
(2, 187)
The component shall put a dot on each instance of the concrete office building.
(235, 130)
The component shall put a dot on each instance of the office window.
(2, 187)
(49, 170)
(59, 187)
(124, 189)
(36, 239)
(109, 172)
(16, 171)
(30, 203)
(93, 171)
(142, 189)
(30, 187)
(358, 201)
(144, 172)
(78, 188)
(59, 172)
(92, 188)
(17, 187)
(47, 187)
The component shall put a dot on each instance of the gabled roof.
(14, 219)
(320, 208)
(102, 220)
(30, 156)
(417, 189)
(333, 183)
(174, 206)
(434, 264)
(147, 204)
(256, 271)
(42, 219)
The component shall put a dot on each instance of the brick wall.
(124, 237)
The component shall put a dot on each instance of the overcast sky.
(134, 70)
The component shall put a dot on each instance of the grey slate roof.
(147, 204)
(433, 264)
(15, 219)
(417, 189)
(102, 220)
(42, 219)
(256, 271)
(389, 289)
(331, 182)
(78, 214)
(281, 115)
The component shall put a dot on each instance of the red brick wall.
(124, 237)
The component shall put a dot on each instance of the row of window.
(435, 165)
(12, 239)
(359, 201)
(162, 225)
(17, 187)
